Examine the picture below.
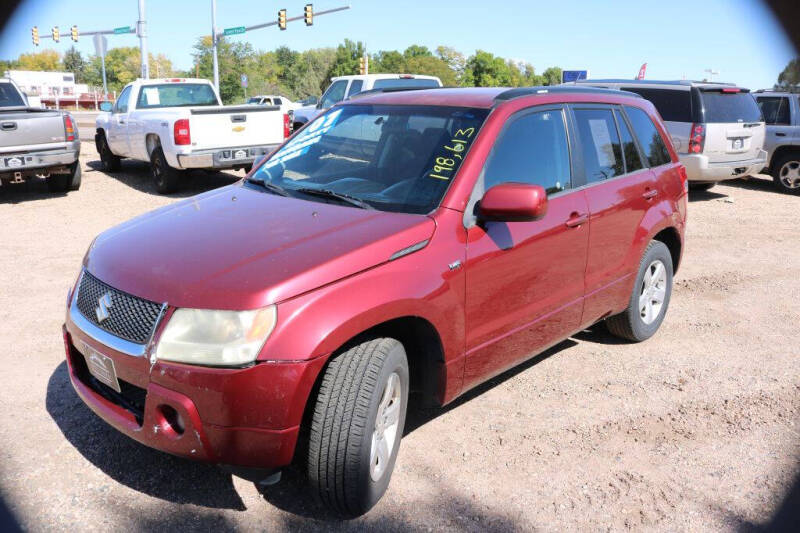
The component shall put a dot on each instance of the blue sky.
(678, 38)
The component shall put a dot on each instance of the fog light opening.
(173, 419)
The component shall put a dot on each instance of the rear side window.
(355, 87)
(334, 94)
(655, 150)
(404, 82)
(602, 154)
(9, 97)
(532, 149)
(277, 101)
(633, 161)
(729, 107)
(775, 109)
(672, 105)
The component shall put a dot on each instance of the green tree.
(233, 59)
(487, 70)
(44, 60)
(416, 50)
(8, 64)
(74, 62)
(390, 61)
(552, 76)
(431, 66)
(346, 60)
(454, 59)
(789, 78)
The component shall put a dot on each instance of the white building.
(47, 84)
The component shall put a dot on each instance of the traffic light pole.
(275, 23)
(214, 37)
(141, 31)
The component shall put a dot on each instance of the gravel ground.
(696, 429)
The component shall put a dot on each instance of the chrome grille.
(128, 317)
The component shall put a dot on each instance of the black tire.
(789, 162)
(111, 162)
(701, 185)
(629, 324)
(66, 182)
(247, 168)
(166, 178)
(343, 422)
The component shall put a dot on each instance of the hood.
(240, 248)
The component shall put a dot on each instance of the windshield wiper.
(327, 193)
(271, 187)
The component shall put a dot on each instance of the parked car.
(716, 129)
(178, 124)
(282, 102)
(404, 242)
(343, 87)
(781, 112)
(36, 142)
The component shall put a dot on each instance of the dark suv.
(406, 242)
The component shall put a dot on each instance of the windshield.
(730, 107)
(393, 158)
(176, 95)
(9, 97)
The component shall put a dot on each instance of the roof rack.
(547, 89)
(390, 90)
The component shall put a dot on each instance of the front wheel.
(786, 173)
(111, 162)
(650, 296)
(357, 424)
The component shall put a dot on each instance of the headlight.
(217, 338)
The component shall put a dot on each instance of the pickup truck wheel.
(166, 178)
(786, 173)
(66, 182)
(111, 162)
(357, 424)
(650, 296)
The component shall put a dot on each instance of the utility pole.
(214, 42)
(141, 31)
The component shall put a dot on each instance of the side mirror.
(106, 106)
(319, 105)
(513, 202)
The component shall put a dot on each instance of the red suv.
(403, 242)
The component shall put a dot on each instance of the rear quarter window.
(653, 145)
(673, 105)
(9, 97)
(720, 107)
(775, 109)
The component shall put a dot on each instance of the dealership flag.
(641, 72)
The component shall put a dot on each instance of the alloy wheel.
(790, 174)
(386, 424)
(653, 292)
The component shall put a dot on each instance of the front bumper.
(39, 162)
(225, 157)
(700, 168)
(247, 417)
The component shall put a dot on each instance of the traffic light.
(308, 14)
(35, 35)
(56, 35)
(362, 65)
(74, 32)
(282, 19)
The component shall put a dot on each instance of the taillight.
(287, 126)
(684, 178)
(697, 138)
(69, 128)
(182, 134)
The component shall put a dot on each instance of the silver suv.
(716, 128)
(781, 112)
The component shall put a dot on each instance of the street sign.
(123, 29)
(244, 81)
(233, 31)
(573, 75)
(100, 44)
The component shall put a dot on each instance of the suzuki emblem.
(104, 305)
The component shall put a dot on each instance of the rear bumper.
(700, 168)
(38, 162)
(247, 417)
(225, 157)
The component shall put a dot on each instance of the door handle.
(649, 194)
(576, 219)
(780, 134)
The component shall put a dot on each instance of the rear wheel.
(166, 178)
(357, 424)
(66, 182)
(111, 162)
(649, 298)
(786, 173)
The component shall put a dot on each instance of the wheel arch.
(151, 142)
(672, 240)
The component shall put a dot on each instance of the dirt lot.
(696, 429)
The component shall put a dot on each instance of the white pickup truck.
(178, 124)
